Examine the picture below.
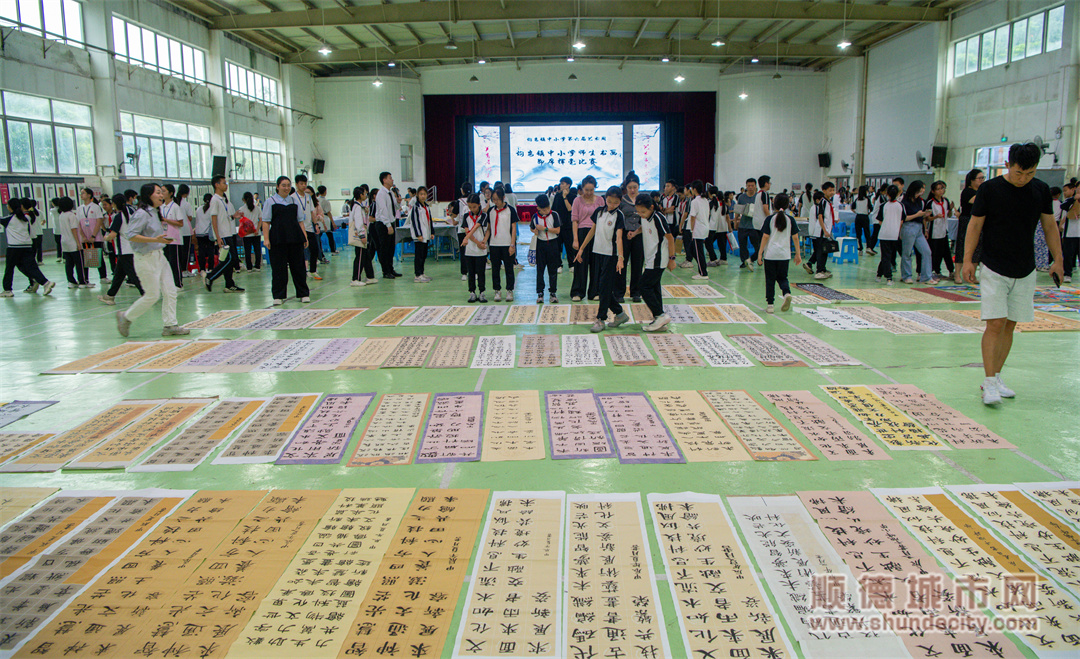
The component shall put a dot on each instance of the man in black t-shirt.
(1006, 212)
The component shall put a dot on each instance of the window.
(160, 148)
(1055, 24)
(255, 158)
(41, 136)
(966, 57)
(139, 46)
(59, 20)
(406, 162)
(973, 55)
(1027, 37)
(251, 85)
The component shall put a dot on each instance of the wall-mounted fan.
(920, 161)
(845, 165)
(133, 158)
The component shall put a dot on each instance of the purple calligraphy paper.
(640, 437)
(215, 356)
(453, 429)
(330, 355)
(325, 435)
(575, 427)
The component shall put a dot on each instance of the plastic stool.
(849, 251)
(839, 230)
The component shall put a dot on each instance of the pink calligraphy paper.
(575, 427)
(831, 433)
(640, 437)
(332, 354)
(327, 431)
(942, 420)
(453, 429)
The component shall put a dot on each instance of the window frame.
(66, 21)
(1008, 43)
(40, 142)
(251, 155)
(248, 83)
(180, 59)
(150, 142)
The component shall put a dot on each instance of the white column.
(97, 31)
(287, 122)
(215, 76)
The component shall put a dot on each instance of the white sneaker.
(559, 271)
(419, 279)
(1002, 389)
(498, 296)
(909, 280)
(659, 323)
(509, 296)
(821, 275)
(305, 300)
(700, 277)
(73, 285)
(7, 294)
(105, 299)
(770, 309)
(278, 303)
(888, 282)
(489, 265)
(553, 300)
(371, 281)
(576, 298)
(686, 264)
(749, 265)
(356, 282)
(49, 286)
(464, 277)
(619, 320)
(990, 393)
(597, 327)
(787, 303)
(1066, 279)
(878, 279)
(106, 280)
(427, 280)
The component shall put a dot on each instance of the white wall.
(362, 130)
(841, 114)
(776, 131)
(901, 92)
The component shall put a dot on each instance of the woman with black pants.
(972, 182)
(861, 206)
(283, 234)
(125, 257)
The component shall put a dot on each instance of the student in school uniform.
(778, 232)
(125, 259)
(309, 215)
(91, 221)
(67, 229)
(632, 246)
(221, 224)
(658, 242)
(249, 233)
(913, 235)
(937, 231)
(547, 226)
(686, 196)
(806, 200)
(698, 221)
(20, 250)
(584, 205)
(204, 246)
(459, 216)
(669, 202)
(605, 236)
(717, 229)
(562, 203)
(747, 199)
(891, 217)
(284, 237)
(172, 220)
(861, 207)
(421, 229)
(821, 231)
(363, 251)
(386, 215)
(182, 194)
(502, 219)
(760, 209)
(475, 243)
(327, 220)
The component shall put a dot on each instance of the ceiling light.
(570, 58)
(402, 97)
(777, 76)
(665, 59)
(481, 61)
(679, 78)
(743, 96)
(474, 79)
(450, 45)
(391, 64)
(718, 43)
(579, 45)
(754, 60)
(572, 76)
(377, 82)
(843, 44)
(325, 50)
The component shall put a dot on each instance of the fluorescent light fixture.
(391, 64)
(843, 44)
(743, 96)
(579, 45)
(665, 59)
(777, 76)
(325, 50)
(679, 78)
(450, 45)
(753, 60)
(718, 43)
(570, 58)
(402, 97)
(481, 61)
(377, 82)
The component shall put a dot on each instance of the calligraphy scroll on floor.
(210, 359)
(453, 429)
(585, 314)
(888, 321)
(196, 442)
(792, 574)
(677, 291)
(292, 356)
(330, 355)
(514, 605)
(370, 354)
(539, 350)
(213, 319)
(304, 319)
(969, 550)
(628, 350)
(611, 603)
(1061, 498)
(942, 420)
(451, 352)
(701, 435)
(65, 447)
(1044, 539)
(181, 355)
(37, 531)
(14, 443)
(956, 318)
(709, 313)
(674, 350)
(258, 353)
(149, 572)
(639, 310)
(831, 433)
(765, 350)
(485, 315)
(338, 318)
(264, 437)
(392, 317)
(554, 314)
(353, 537)
(272, 320)
(681, 314)
(901, 580)
(495, 352)
(639, 435)
(740, 313)
(581, 350)
(717, 351)
(90, 361)
(816, 350)
(52, 579)
(244, 319)
(521, 314)
(512, 427)
(425, 316)
(933, 322)
(835, 319)
(411, 616)
(722, 609)
(14, 501)
(825, 293)
(457, 315)
(391, 434)
(125, 447)
(327, 431)
(704, 291)
(907, 295)
(895, 430)
(411, 352)
(575, 427)
(864, 295)
(136, 357)
(760, 433)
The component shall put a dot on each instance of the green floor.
(40, 333)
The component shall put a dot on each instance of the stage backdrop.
(689, 136)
